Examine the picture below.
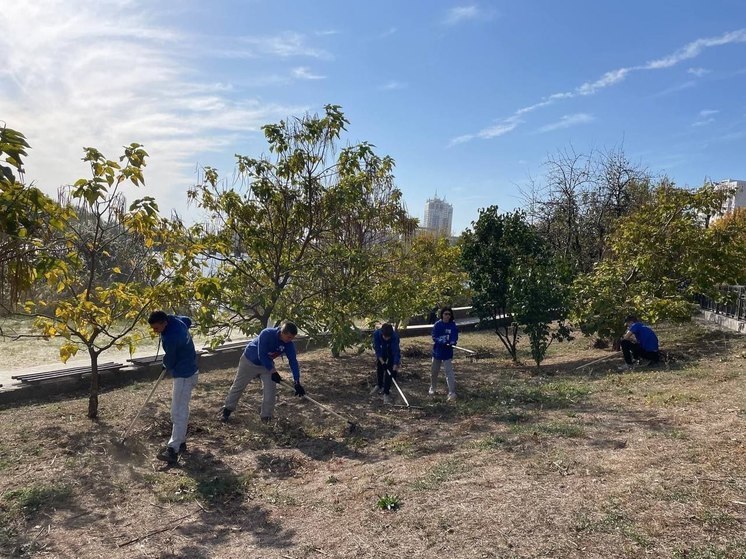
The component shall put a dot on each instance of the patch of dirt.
(554, 462)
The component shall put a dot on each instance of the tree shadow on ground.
(223, 510)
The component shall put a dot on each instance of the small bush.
(388, 502)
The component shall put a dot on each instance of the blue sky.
(469, 98)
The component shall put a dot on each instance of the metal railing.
(731, 303)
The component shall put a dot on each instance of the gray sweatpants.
(180, 397)
(246, 372)
(450, 376)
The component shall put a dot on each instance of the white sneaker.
(432, 391)
(451, 396)
(387, 399)
(376, 390)
(624, 367)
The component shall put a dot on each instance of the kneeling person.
(639, 341)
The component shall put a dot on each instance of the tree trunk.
(93, 394)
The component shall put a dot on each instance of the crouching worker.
(257, 361)
(388, 358)
(180, 361)
(639, 341)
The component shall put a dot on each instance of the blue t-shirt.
(645, 336)
(267, 347)
(445, 335)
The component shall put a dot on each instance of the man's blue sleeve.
(293, 361)
(395, 353)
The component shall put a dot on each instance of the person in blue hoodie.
(180, 361)
(257, 361)
(445, 336)
(388, 359)
(638, 341)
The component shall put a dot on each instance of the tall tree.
(583, 197)
(660, 256)
(292, 238)
(490, 248)
(93, 307)
(26, 218)
(538, 296)
(358, 249)
(422, 273)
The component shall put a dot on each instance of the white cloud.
(460, 140)
(460, 14)
(703, 122)
(695, 48)
(675, 88)
(304, 73)
(101, 73)
(613, 77)
(698, 72)
(609, 78)
(392, 85)
(706, 116)
(285, 45)
(567, 121)
(498, 129)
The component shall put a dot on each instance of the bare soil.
(526, 463)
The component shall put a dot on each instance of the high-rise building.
(438, 216)
(738, 196)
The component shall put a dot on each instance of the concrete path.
(7, 370)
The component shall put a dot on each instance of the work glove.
(276, 377)
(299, 390)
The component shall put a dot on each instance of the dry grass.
(556, 463)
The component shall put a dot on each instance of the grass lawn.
(526, 463)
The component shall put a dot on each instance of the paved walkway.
(7, 370)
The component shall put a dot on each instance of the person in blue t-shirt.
(180, 361)
(257, 361)
(639, 341)
(445, 336)
(388, 359)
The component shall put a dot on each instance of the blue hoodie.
(445, 335)
(645, 336)
(387, 349)
(179, 356)
(268, 346)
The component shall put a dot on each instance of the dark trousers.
(632, 351)
(384, 379)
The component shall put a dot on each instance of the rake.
(152, 391)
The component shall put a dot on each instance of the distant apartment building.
(738, 199)
(438, 217)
